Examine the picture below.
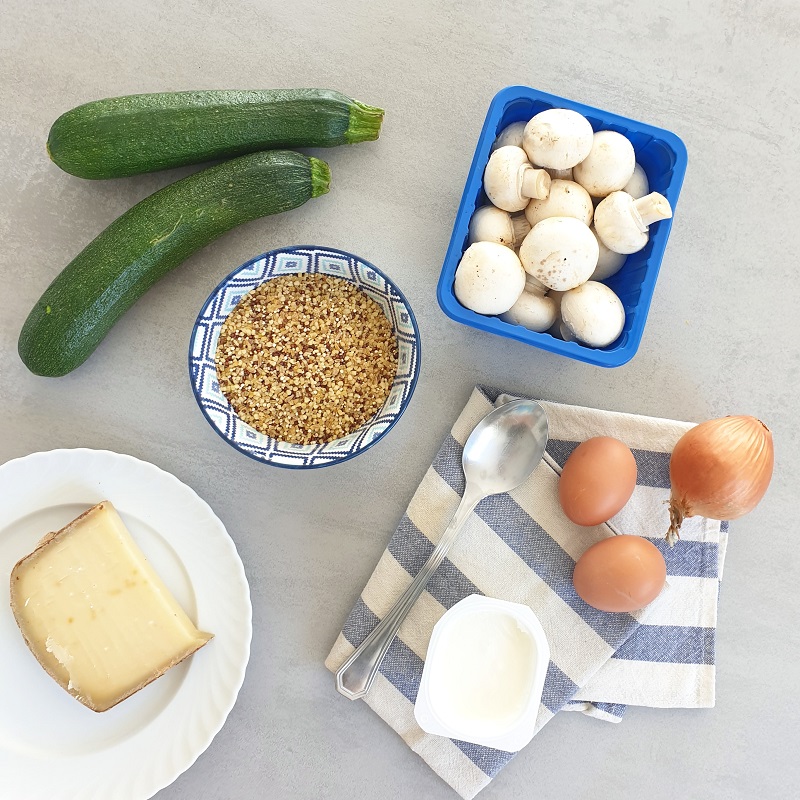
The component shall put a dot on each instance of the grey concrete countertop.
(721, 338)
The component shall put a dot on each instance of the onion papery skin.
(719, 469)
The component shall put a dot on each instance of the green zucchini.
(105, 279)
(140, 133)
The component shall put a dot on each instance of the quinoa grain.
(306, 358)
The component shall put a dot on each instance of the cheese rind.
(95, 613)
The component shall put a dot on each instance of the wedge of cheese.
(95, 613)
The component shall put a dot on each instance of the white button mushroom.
(492, 224)
(557, 138)
(621, 222)
(510, 181)
(536, 312)
(561, 252)
(593, 314)
(638, 186)
(489, 278)
(566, 199)
(555, 328)
(511, 134)
(609, 165)
(564, 332)
(608, 262)
(534, 285)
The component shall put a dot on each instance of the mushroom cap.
(535, 312)
(511, 134)
(557, 138)
(617, 226)
(638, 186)
(566, 199)
(608, 166)
(491, 224)
(561, 252)
(502, 179)
(489, 278)
(608, 262)
(593, 314)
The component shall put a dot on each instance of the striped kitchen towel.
(520, 547)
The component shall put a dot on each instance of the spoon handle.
(355, 676)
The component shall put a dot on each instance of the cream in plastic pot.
(484, 673)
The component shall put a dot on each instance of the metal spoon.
(501, 452)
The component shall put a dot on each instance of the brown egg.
(597, 480)
(621, 573)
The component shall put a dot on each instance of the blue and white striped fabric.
(520, 547)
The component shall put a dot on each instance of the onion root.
(676, 517)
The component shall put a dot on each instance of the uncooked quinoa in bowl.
(304, 357)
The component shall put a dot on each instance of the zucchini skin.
(130, 135)
(108, 276)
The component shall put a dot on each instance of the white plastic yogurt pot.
(484, 674)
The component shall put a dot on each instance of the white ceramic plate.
(50, 745)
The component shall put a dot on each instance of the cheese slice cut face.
(95, 613)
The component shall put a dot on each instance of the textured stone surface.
(721, 338)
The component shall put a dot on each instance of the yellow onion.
(719, 469)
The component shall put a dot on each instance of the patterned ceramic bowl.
(287, 261)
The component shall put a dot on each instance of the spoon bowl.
(505, 447)
(501, 452)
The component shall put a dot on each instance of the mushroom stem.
(535, 182)
(651, 208)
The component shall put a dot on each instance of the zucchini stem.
(365, 123)
(320, 177)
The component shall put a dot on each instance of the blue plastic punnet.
(663, 157)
